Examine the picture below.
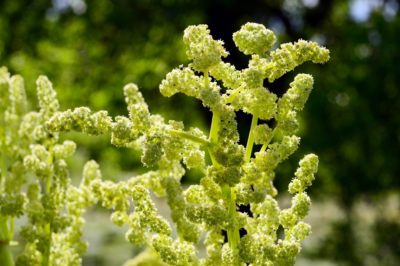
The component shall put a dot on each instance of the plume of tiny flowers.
(235, 175)
(35, 181)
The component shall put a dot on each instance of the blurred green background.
(90, 49)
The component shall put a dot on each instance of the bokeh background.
(90, 49)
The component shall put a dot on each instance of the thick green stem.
(233, 231)
(250, 139)
(47, 227)
(229, 192)
(6, 257)
(46, 255)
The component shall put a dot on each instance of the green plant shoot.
(34, 179)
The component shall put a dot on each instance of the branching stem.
(229, 192)
(190, 137)
(250, 139)
(265, 145)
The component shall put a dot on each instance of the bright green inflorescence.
(254, 38)
(35, 181)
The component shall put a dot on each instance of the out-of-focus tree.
(90, 50)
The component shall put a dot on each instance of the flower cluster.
(235, 175)
(35, 180)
